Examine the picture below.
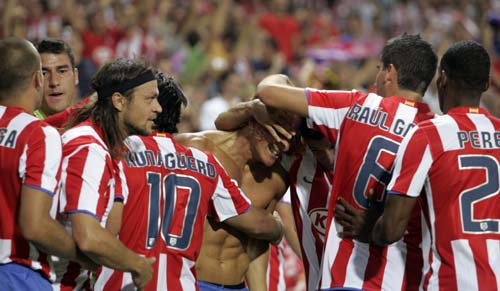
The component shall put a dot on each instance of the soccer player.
(60, 77)
(370, 128)
(310, 171)
(30, 154)
(172, 188)
(92, 149)
(456, 158)
(249, 156)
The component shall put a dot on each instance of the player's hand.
(281, 230)
(276, 128)
(352, 219)
(144, 273)
(357, 224)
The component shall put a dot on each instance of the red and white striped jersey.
(285, 269)
(171, 190)
(88, 177)
(310, 188)
(455, 159)
(30, 151)
(369, 129)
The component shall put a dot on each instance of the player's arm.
(237, 116)
(114, 222)
(259, 224)
(39, 228)
(290, 233)
(256, 275)
(105, 249)
(278, 91)
(391, 226)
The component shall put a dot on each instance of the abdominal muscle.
(223, 259)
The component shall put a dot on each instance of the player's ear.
(38, 80)
(392, 74)
(118, 101)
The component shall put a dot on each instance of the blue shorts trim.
(17, 277)
(207, 286)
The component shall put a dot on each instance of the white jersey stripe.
(103, 278)
(396, 261)
(372, 101)
(447, 133)
(465, 268)
(493, 247)
(405, 113)
(327, 116)
(161, 284)
(93, 171)
(426, 248)
(81, 131)
(187, 279)
(5, 251)
(53, 149)
(436, 259)
(419, 178)
(357, 265)
(2, 110)
(127, 282)
(481, 122)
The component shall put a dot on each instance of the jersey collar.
(465, 109)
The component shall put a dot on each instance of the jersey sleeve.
(412, 163)
(86, 182)
(327, 109)
(228, 200)
(121, 188)
(41, 160)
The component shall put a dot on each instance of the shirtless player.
(248, 155)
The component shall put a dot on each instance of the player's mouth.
(274, 150)
(56, 94)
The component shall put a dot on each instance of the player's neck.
(236, 146)
(410, 95)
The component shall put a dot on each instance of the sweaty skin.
(224, 257)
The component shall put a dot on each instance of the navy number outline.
(469, 197)
(171, 183)
(371, 168)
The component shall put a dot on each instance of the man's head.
(126, 103)
(171, 99)
(60, 74)
(322, 149)
(129, 89)
(464, 72)
(407, 63)
(21, 79)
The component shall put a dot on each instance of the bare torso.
(224, 258)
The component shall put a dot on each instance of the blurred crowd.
(219, 49)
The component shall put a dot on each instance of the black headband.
(126, 85)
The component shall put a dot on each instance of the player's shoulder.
(199, 140)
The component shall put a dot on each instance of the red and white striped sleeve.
(228, 200)
(87, 175)
(40, 163)
(327, 109)
(412, 163)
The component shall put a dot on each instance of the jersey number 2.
(481, 192)
(173, 202)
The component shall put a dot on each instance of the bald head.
(19, 61)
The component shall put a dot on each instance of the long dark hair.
(103, 113)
